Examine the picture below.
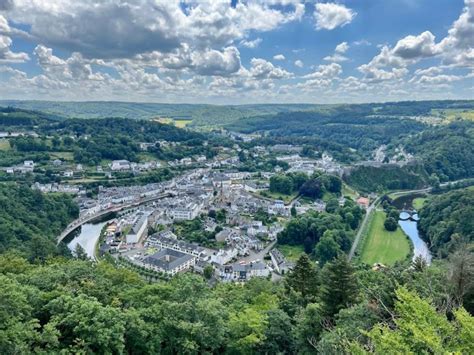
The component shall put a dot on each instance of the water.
(87, 238)
(419, 246)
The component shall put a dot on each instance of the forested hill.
(446, 150)
(30, 221)
(203, 115)
(10, 116)
(447, 221)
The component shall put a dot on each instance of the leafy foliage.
(30, 220)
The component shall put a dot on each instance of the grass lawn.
(62, 155)
(4, 145)
(349, 191)
(291, 252)
(278, 196)
(182, 123)
(382, 246)
(418, 202)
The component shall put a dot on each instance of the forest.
(447, 221)
(74, 306)
(30, 221)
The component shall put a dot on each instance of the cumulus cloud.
(251, 44)
(213, 62)
(6, 54)
(118, 29)
(299, 63)
(260, 68)
(338, 56)
(342, 47)
(279, 57)
(329, 16)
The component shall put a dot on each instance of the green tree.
(339, 286)
(304, 278)
(327, 248)
(208, 272)
(390, 224)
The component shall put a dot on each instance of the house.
(165, 240)
(224, 256)
(223, 235)
(363, 202)
(187, 213)
(68, 173)
(139, 229)
(118, 165)
(169, 261)
(279, 262)
(244, 272)
(57, 162)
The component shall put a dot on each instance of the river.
(87, 238)
(419, 246)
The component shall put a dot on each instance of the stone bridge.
(86, 219)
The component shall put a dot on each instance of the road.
(258, 256)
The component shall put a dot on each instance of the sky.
(237, 52)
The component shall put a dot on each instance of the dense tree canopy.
(447, 221)
(30, 221)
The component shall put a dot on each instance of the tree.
(208, 272)
(278, 334)
(332, 205)
(308, 329)
(304, 278)
(339, 286)
(327, 248)
(80, 253)
(419, 329)
(293, 211)
(312, 188)
(390, 224)
(281, 184)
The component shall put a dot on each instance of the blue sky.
(240, 52)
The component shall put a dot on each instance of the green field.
(182, 123)
(4, 144)
(291, 252)
(277, 196)
(418, 202)
(382, 246)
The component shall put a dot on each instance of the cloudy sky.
(233, 52)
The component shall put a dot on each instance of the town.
(214, 216)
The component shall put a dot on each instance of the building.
(118, 165)
(363, 202)
(165, 240)
(279, 262)
(139, 230)
(244, 272)
(187, 213)
(169, 261)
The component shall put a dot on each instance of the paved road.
(258, 256)
(362, 227)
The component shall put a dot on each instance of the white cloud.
(325, 71)
(328, 16)
(251, 44)
(299, 63)
(342, 47)
(260, 68)
(279, 57)
(141, 26)
(338, 56)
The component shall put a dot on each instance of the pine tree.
(339, 287)
(304, 278)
